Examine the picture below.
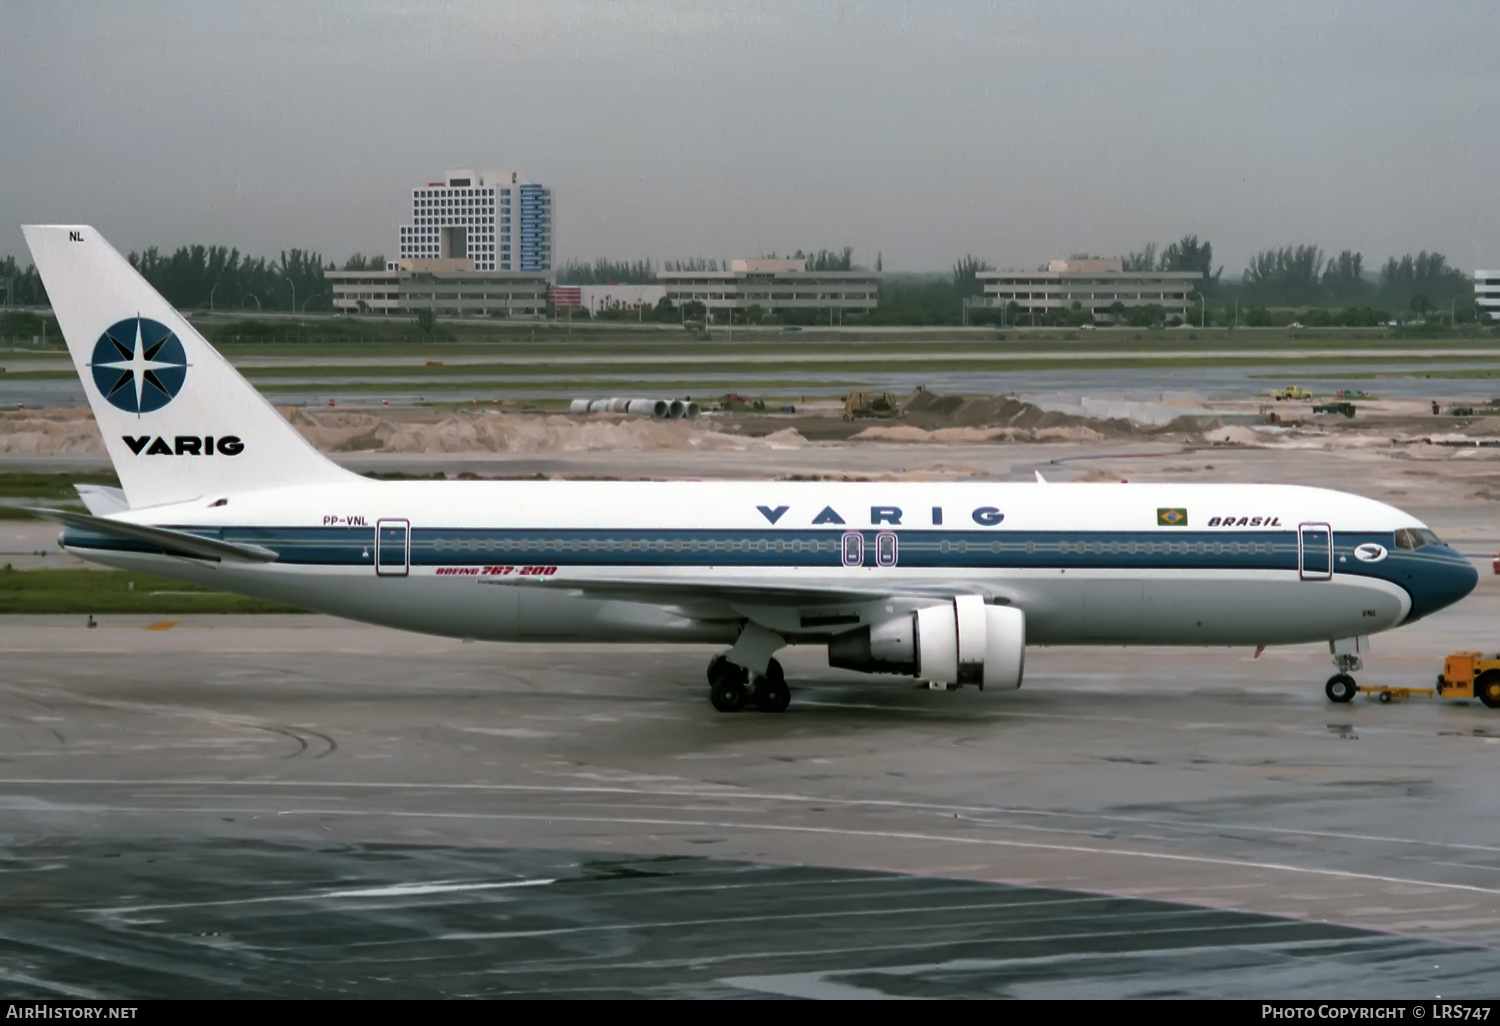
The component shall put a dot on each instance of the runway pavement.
(294, 805)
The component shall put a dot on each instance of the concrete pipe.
(676, 408)
(578, 406)
(646, 408)
(691, 410)
(618, 405)
(599, 406)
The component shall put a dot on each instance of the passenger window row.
(1410, 538)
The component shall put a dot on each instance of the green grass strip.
(96, 592)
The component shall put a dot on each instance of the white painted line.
(390, 891)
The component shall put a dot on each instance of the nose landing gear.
(1341, 686)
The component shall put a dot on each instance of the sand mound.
(53, 432)
(50, 432)
(419, 431)
(930, 417)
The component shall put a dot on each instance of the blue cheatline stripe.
(922, 549)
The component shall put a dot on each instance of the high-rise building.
(481, 221)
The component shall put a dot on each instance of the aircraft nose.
(1443, 578)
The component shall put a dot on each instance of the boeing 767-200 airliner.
(944, 582)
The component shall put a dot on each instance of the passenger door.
(1315, 551)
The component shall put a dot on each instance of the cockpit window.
(1415, 538)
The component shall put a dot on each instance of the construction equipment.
(733, 402)
(1291, 392)
(1342, 409)
(1352, 393)
(870, 404)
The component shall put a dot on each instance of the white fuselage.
(1086, 563)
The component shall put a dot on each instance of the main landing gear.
(730, 688)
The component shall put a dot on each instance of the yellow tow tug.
(1465, 675)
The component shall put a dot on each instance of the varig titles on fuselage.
(984, 516)
(885, 516)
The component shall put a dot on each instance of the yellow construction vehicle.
(1291, 392)
(870, 404)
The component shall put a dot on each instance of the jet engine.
(960, 642)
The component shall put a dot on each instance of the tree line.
(1340, 289)
(212, 277)
(1301, 275)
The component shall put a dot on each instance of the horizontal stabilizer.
(102, 501)
(175, 543)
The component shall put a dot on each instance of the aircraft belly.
(1170, 608)
(1268, 608)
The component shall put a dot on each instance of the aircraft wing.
(175, 543)
(736, 591)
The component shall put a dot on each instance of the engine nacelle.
(961, 642)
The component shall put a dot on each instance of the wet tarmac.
(298, 806)
(251, 919)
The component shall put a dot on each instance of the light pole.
(294, 294)
(211, 297)
(253, 296)
(309, 299)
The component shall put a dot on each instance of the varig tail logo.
(139, 365)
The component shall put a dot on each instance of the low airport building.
(1094, 285)
(1487, 293)
(773, 285)
(449, 288)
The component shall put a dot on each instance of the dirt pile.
(54, 432)
(427, 431)
(50, 432)
(928, 416)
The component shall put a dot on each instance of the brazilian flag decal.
(1171, 518)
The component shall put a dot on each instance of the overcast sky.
(1016, 131)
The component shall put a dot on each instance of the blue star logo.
(139, 365)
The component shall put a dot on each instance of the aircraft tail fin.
(179, 421)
